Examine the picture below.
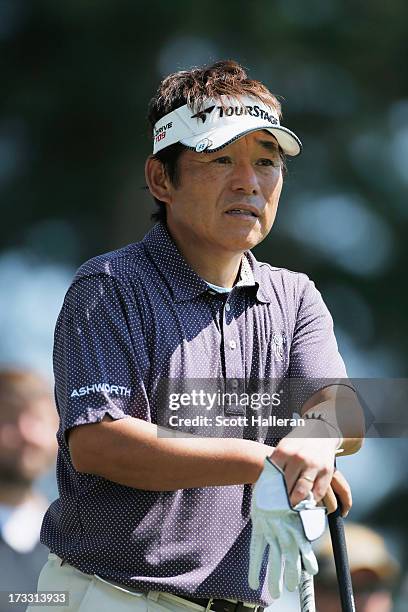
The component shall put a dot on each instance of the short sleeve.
(315, 361)
(99, 354)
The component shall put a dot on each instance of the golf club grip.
(341, 560)
(306, 593)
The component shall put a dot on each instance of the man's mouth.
(242, 211)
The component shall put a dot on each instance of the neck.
(218, 267)
(220, 273)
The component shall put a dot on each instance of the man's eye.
(222, 160)
(268, 162)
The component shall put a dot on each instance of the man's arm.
(130, 452)
(310, 450)
(339, 408)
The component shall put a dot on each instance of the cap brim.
(221, 137)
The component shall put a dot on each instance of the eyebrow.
(270, 145)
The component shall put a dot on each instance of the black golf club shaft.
(341, 560)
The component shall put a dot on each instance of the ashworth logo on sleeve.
(102, 388)
(254, 111)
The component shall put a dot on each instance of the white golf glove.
(274, 522)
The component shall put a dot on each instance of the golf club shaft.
(341, 560)
(306, 593)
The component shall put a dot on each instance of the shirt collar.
(184, 283)
(251, 272)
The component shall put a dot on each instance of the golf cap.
(219, 122)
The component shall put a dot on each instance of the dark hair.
(193, 87)
(169, 157)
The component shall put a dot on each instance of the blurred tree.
(76, 80)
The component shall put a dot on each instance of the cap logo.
(254, 111)
(203, 114)
(160, 133)
(229, 111)
(203, 145)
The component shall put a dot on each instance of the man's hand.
(275, 523)
(307, 462)
(338, 487)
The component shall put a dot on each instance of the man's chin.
(244, 242)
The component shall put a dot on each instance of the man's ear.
(157, 180)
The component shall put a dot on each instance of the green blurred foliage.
(77, 76)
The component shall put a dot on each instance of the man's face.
(27, 441)
(244, 176)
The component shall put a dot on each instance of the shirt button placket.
(233, 357)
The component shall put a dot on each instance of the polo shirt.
(131, 319)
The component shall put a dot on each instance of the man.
(153, 521)
(27, 449)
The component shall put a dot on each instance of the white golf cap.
(218, 123)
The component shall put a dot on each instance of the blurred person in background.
(28, 422)
(373, 571)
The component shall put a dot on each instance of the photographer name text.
(234, 421)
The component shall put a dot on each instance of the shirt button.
(234, 383)
(227, 307)
(232, 344)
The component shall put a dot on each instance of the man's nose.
(244, 178)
